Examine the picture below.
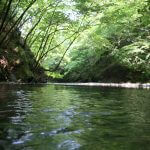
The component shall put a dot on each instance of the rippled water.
(48, 117)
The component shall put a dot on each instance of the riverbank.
(117, 85)
(17, 61)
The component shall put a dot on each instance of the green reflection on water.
(47, 117)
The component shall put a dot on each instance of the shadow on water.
(48, 117)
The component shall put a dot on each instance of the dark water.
(47, 117)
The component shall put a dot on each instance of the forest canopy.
(82, 40)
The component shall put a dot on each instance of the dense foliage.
(117, 48)
(82, 40)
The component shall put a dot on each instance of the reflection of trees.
(13, 107)
(109, 120)
(103, 119)
(138, 105)
(95, 118)
(16, 106)
(51, 117)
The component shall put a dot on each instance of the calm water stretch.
(53, 117)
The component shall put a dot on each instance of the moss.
(20, 62)
(23, 73)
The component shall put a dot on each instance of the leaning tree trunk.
(6, 13)
(16, 23)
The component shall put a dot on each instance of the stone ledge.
(122, 85)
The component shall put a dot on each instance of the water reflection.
(46, 117)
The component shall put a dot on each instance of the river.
(57, 117)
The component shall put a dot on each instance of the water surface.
(52, 117)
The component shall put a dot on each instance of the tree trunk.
(16, 22)
(6, 14)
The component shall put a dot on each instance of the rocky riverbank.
(118, 85)
(17, 61)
